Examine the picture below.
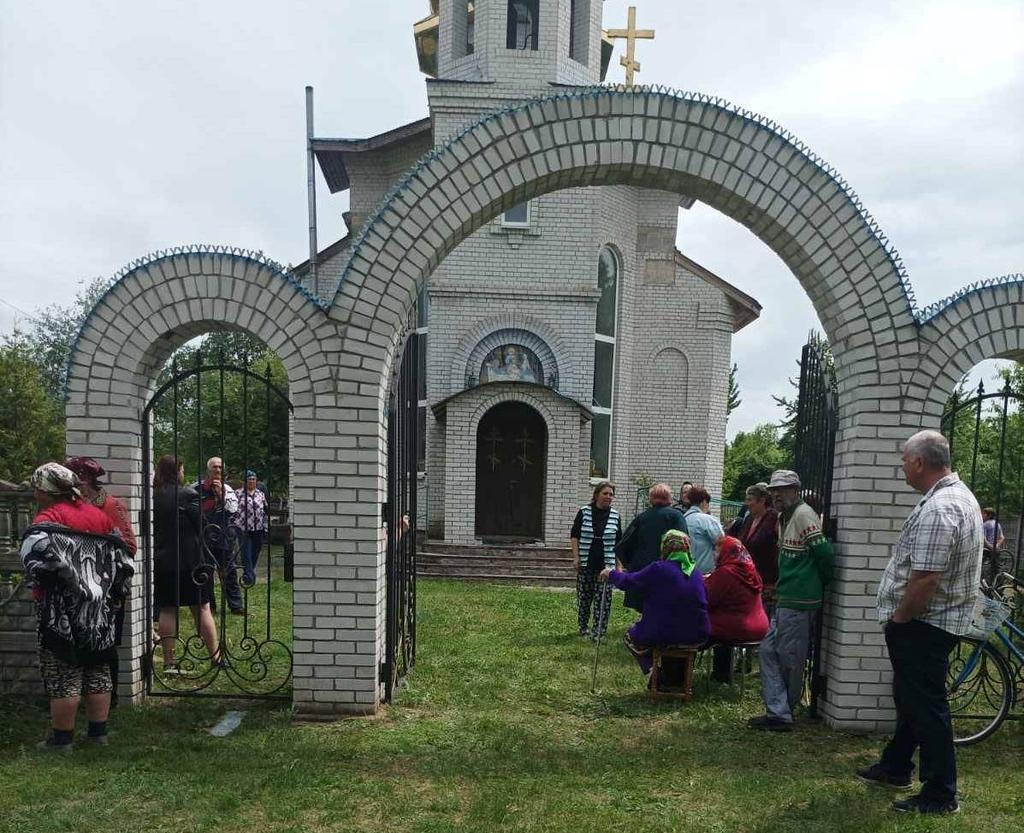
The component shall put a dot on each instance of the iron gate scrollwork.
(986, 441)
(399, 517)
(814, 450)
(212, 556)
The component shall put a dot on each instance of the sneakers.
(926, 806)
(584, 632)
(878, 776)
(767, 723)
(97, 740)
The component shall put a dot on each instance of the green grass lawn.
(497, 729)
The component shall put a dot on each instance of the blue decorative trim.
(648, 91)
(234, 252)
(935, 309)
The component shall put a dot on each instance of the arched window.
(523, 23)
(604, 362)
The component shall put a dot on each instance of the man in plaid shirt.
(925, 602)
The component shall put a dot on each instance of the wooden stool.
(744, 649)
(685, 654)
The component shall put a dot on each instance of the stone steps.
(503, 564)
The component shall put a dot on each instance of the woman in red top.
(89, 473)
(734, 602)
(760, 535)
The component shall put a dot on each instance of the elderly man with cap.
(79, 570)
(89, 473)
(805, 568)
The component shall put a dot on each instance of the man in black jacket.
(641, 543)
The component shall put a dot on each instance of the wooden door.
(511, 459)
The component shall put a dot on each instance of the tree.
(732, 400)
(31, 425)
(52, 330)
(229, 415)
(791, 407)
(750, 458)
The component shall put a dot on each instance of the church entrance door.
(511, 458)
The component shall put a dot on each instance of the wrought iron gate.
(986, 440)
(212, 561)
(814, 450)
(399, 517)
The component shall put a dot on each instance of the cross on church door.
(511, 461)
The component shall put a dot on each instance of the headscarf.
(55, 479)
(733, 558)
(675, 546)
(731, 550)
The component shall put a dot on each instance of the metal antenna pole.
(311, 191)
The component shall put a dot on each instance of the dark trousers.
(919, 654)
(252, 543)
(590, 592)
(229, 580)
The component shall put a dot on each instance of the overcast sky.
(129, 127)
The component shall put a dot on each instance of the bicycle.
(983, 671)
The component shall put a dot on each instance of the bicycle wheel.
(979, 688)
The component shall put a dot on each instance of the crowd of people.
(78, 554)
(764, 579)
(693, 583)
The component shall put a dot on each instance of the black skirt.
(180, 589)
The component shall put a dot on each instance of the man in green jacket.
(805, 568)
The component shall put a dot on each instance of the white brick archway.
(889, 356)
(153, 308)
(753, 172)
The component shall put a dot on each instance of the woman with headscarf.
(252, 522)
(79, 570)
(675, 602)
(734, 602)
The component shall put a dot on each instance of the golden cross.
(631, 34)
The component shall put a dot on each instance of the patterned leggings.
(593, 593)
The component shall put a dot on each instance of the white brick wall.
(894, 373)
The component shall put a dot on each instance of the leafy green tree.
(750, 458)
(31, 424)
(732, 401)
(229, 415)
(988, 451)
(50, 332)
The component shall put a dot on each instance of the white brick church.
(566, 340)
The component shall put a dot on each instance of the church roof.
(331, 153)
(745, 308)
(439, 407)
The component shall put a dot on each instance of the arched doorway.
(511, 459)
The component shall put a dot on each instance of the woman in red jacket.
(734, 602)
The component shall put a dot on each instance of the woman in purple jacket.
(675, 603)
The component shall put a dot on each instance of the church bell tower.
(525, 43)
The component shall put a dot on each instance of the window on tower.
(604, 363)
(523, 24)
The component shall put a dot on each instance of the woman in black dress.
(181, 579)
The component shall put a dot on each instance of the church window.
(517, 217)
(604, 363)
(523, 23)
